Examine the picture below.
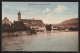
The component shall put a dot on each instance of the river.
(54, 41)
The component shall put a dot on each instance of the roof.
(33, 22)
(5, 18)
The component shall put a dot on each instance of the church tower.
(19, 16)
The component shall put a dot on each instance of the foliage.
(73, 29)
(17, 26)
(48, 27)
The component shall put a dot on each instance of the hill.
(73, 21)
(70, 23)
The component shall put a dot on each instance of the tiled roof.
(31, 21)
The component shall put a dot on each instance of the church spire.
(19, 16)
(19, 13)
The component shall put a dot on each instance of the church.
(32, 23)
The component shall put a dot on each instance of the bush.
(73, 29)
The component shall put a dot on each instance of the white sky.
(48, 12)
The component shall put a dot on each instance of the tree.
(48, 27)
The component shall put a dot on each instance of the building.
(32, 23)
(6, 21)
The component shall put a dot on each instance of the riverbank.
(24, 33)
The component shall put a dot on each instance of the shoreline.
(38, 33)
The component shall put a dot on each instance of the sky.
(48, 12)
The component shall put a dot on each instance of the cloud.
(14, 8)
(55, 18)
(23, 8)
(46, 10)
(6, 6)
(60, 9)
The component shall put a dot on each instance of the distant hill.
(70, 21)
(73, 21)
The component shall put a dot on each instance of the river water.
(55, 41)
